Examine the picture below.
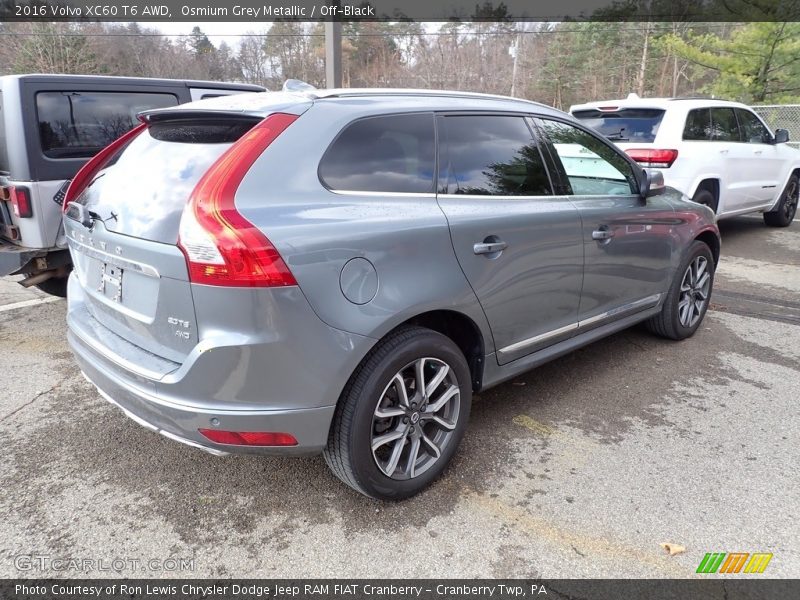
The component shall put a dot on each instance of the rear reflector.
(96, 164)
(249, 438)
(20, 198)
(661, 159)
(223, 248)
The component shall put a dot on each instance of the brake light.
(95, 164)
(222, 247)
(660, 159)
(608, 108)
(20, 198)
(249, 438)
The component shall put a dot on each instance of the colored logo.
(734, 562)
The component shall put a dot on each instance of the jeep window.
(491, 156)
(592, 167)
(393, 153)
(79, 124)
(724, 127)
(753, 130)
(698, 125)
(624, 125)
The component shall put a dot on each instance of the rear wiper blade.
(617, 137)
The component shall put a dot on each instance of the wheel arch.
(464, 333)
(710, 182)
(710, 239)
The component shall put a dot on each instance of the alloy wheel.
(415, 418)
(695, 288)
(790, 202)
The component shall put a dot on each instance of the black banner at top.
(257, 11)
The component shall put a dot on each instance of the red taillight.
(662, 159)
(20, 198)
(222, 247)
(95, 164)
(249, 438)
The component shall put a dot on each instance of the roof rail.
(360, 92)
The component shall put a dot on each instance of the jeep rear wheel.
(402, 415)
(784, 212)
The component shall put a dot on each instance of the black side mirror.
(652, 183)
(781, 136)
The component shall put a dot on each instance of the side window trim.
(443, 165)
(632, 165)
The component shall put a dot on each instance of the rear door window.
(491, 156)
(78, 124)
(724, 127)
(392, 153)
(698, 125)
(753, 130)
(625, 125)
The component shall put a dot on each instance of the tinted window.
(753, 130)
(698, 125)
(626, 125)
(79, 124)
(495, 156)
(724, 127)
(174, 155)
(591, 166)
(382, 154)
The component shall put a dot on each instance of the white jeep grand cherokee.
(718, 153)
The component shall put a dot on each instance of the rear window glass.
(145, 191)
(698, 125)
(492, 156)
(392, 153)
(79, 124)
(724, 127)
(626, 125)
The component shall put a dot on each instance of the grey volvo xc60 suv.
(339, 271)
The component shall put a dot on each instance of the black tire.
(669, 323)
(349, 452)
(55, 286)
(784, 212)
(706, 197)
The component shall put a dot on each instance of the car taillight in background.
(95, 164)
(20, 199)
(657, 159)
(223, 248)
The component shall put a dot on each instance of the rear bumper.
(255, 385)
(13, 257)
(180, 422)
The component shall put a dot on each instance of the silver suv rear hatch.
(123, 234)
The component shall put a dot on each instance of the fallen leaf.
(673, 549)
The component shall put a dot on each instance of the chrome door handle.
(489, 247)
(602, 234)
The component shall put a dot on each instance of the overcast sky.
(216, 31)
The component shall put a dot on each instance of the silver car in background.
(339, 271)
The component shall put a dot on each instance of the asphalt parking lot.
(578, 469)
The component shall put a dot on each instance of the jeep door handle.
(758, 151)
(489, 247)
(602, 234)
(723, 151)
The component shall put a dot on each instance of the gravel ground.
(580, 468)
